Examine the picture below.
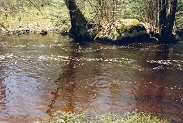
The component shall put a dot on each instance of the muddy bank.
(32, 30)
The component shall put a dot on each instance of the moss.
(130, 25)
(114, 30)
(122, 29)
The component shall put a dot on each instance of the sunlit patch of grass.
(36, 20)
(133, 117)
(66, 117)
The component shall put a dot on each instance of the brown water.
(43, 74)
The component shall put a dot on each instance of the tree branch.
(4, 27)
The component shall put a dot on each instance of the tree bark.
(162, 16)
(166, 20)
(171, 17)
(79, 24)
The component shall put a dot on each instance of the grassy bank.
(29, 19)
(33, 16)
(134, 117)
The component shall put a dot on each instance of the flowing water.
(43, 74)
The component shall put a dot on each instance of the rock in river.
(122, 31)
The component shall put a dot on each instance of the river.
(42, 74)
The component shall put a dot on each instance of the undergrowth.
(130, 117)
(52, 17)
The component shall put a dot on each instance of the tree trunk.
(78, 22)
(162, 16)
(171, 18)
(166, 21)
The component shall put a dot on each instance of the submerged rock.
(119, 31)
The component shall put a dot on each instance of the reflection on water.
(40, 75)
(161, 89)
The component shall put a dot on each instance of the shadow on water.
(74, 89)
(100, 81)
(81, 84)
(160, 91)
(66, 81)
(2, 93)
(40, 75)
(2, 89)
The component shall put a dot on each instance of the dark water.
(43, 74)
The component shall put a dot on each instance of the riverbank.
(43, 20)
(46, 19)
(130, 117)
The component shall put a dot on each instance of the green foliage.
(59, 13)
(133, 117)
(69, 117)
(16, 12)
(34, 16)
(101, 11)
(179, 15)
(130, 9)
(144, 10)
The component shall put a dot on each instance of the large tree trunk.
(162, 16)
(171, 17)
(166, 21)
(78, 22)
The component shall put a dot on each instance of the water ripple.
(168, 64)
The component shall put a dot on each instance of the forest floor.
(31, 20)
(42, 20)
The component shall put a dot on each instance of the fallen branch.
(35, 6)
(4, 27)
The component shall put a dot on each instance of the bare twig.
(4, 27)
(35, 6)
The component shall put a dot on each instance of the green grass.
(49, 18)
(133, 117)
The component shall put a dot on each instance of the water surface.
(43, 74)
